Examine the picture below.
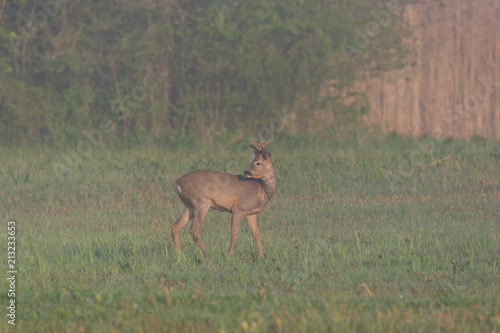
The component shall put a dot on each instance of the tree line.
(173, 70)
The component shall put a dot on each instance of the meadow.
(343, 251)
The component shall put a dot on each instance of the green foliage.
(342, 252)
(228, 64)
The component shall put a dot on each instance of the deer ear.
(266, 154)
(255, 150)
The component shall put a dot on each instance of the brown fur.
(201, 190)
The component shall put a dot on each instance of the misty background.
(171, 72)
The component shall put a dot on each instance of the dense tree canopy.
(167, 70)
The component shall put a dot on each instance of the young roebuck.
(247, 195)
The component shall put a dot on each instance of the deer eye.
(258, 163)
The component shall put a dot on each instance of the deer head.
(261, 166)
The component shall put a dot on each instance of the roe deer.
(246, 195)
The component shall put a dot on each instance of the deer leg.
(179, 224)
(252, 223)
(199, 216)
(235, 223)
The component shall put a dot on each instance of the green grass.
(342, 251)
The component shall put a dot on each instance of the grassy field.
(344, 250)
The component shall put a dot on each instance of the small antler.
(261, 143)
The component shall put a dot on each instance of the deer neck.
(269, 184)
